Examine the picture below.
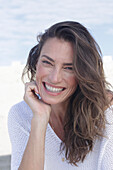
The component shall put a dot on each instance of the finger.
(30, 87)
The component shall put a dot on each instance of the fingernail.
(38, 95)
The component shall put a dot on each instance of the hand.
(38, 107)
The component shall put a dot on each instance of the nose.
(55, 76)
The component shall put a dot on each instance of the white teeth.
(53, 89)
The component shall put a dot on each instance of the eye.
(46, 62)
(68, 68)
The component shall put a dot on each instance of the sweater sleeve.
(18, 133)
(107, 160)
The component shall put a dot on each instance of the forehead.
(58, 49)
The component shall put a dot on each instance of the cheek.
(40, 73)
(39, 77)
(72, 82)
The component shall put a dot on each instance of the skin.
(54, 68)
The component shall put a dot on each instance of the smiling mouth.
(53, 89)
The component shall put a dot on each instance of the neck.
(58, 112)
(57, 119)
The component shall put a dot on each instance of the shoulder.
(109, 114)
(20, 113)
(109, 122)
(106, 153)
(19, 126)
(109, 111)
(110, 97)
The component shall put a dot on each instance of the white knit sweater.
(19, 125)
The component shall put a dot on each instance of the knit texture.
(19, 126)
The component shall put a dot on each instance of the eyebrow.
(49, 58)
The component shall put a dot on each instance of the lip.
(52, 93)
(53, 85)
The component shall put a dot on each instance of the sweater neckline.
(53, 132)
(110, 107)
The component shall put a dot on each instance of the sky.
(22, 20)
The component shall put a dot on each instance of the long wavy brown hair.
(84, 119)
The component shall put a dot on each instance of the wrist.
(39, 122)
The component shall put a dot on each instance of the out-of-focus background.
(20, 22)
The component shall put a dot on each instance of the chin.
(53, 101)
(50, 102)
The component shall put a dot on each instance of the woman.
(69, 126)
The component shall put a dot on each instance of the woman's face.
(54, 71)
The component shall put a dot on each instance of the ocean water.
(21, 21)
